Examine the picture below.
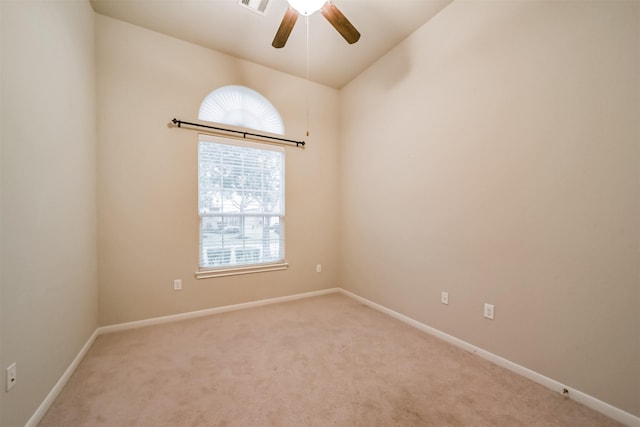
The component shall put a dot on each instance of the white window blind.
(243, 107)
(241, 203)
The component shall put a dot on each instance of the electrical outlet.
(488, 311)
(444, 297)
(11, 376)
(318, 268)
(177, 285)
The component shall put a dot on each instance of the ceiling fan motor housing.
(307, 7)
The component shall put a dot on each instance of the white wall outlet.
(318, 268)
(177, 285)
(488, 311)
(444, 297)
(11, 376)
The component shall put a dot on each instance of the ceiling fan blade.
(340, 22)
(288, 21)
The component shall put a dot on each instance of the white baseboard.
(583, 398)
(210, 311)
(578, 396)
(57, 388)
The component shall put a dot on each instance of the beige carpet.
(325, 361)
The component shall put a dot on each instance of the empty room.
(320, 213)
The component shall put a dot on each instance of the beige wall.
(147, 176)
(48, 262)
(494, 154)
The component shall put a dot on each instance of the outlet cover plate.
(489, 311)
(11, 376)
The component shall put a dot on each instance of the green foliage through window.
(241, 203)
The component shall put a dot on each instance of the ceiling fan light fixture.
(307, 7)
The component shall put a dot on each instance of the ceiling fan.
(309, 7)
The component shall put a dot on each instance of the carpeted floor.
(324, 361)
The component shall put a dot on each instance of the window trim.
(208, 273)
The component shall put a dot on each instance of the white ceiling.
(226, 26)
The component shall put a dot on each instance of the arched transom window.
(241, 106)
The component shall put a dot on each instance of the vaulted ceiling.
(230, 27)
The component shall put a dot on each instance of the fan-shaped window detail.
(241, 106)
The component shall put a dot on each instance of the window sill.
(234, 271)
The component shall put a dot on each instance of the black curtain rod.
(244, 134)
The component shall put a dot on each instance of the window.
(241, 106)
(241, 204)
(240, 188)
